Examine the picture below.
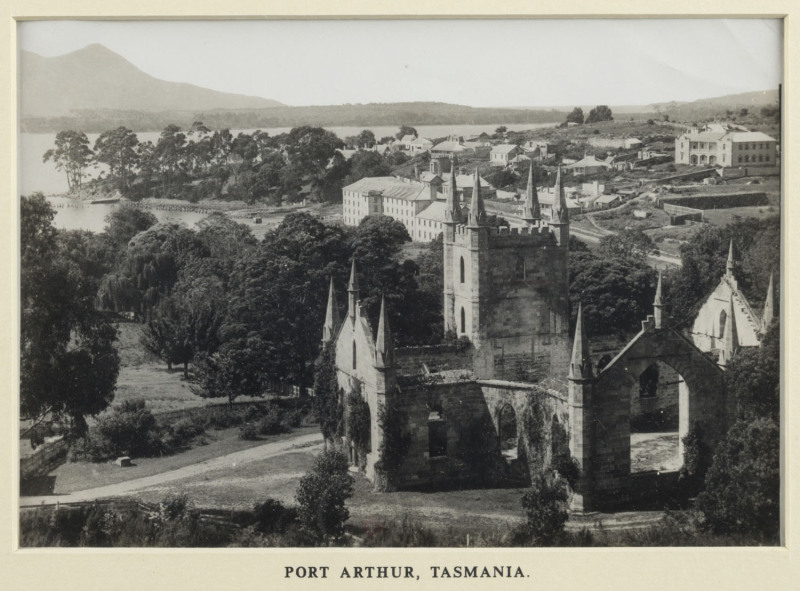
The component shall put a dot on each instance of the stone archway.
(601, 424)
(508, 432)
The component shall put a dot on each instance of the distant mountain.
(97, 78)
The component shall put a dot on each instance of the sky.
(480, 63)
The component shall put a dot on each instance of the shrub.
(742, 493)
(321, 497)
(272, 517)
(129, 429)
(271, 423)
(545, 508)
(248, 432)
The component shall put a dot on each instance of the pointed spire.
(452, 210)
(560, 214)
(729, 264)
(769, 306)
(581, 366)
(657, 305)
(532, 211)
(353, 284)
(352, 293)
(331, 316)
(477, 212)
(730, 340)
(384, 350)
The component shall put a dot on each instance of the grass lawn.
(722, 217)
(74, 476)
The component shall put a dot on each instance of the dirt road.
(231, 461)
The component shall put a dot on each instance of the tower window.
(463, 321)
(723, 317)
(462, 269)
(354, 354)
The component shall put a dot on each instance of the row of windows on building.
(713, 146)
(741, 159)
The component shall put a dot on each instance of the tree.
(124, 223)
(187, 321)
(616, 294)
(72, 155)
(627, 245)
(358, 423)
(117, 149)
(366, 139)
(753, 377)
(68, 363)
(366, 164)
(545, 508)
(576, 116)
(500, 131)
(404, 131)
(321, 497)
(170, 154)
(742, 493)
(599, 113)
(311, 148)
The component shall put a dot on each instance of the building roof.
(606, 199)
(435, 212)
(407, 139)
(423, 141)
(504, 148)
(427, 176)
(588, 161)
(392, 187)
(448, 146)
(750, 136)
(466, 181)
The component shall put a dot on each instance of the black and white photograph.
(434, 283)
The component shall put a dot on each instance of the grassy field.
(74, 476)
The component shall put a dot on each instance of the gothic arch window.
(354, 354)
(723, 317)
(462, 269)
(437, 434)
(463, 321)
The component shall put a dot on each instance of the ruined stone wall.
(410, 360)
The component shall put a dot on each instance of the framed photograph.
(310, 295)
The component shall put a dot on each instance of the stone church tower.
(507, 290)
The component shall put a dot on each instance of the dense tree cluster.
(197, 163)
(68, 363)
(599, 113)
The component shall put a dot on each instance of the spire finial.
(353, 284)
(331, 316)
(560, 214)
(657, 305)
(477, 213)
(729, 264)
(769, 306)
(452, 211)
(581, 366)
(532, 212)
(384, 350)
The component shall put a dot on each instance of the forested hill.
(357, 115)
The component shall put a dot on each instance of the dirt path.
(231, 461)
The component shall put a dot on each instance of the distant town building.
(398, 197)
(627, 143)
(588, 165)
(725, 145)
(504, 154)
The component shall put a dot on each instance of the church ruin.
(509, 385)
